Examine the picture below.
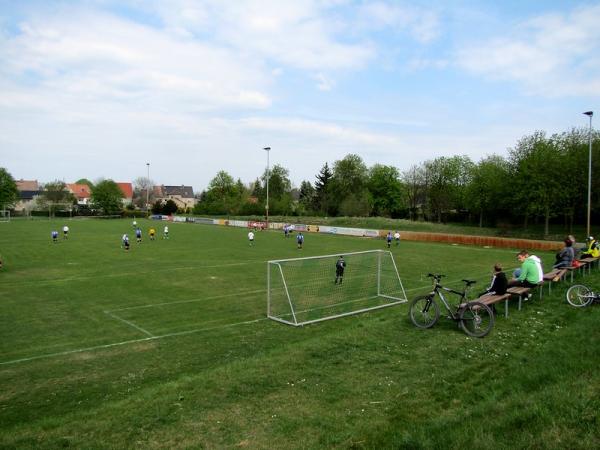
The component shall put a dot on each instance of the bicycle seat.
(470, 282)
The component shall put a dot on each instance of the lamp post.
(589, 199)
(147, 187)
(268, 150)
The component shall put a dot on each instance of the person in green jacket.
(531, 273)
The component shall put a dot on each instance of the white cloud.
(422, 24)
(103, 58)
(553, 55)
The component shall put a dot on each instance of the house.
(183, 196)
(28, 191)
(127, 190)
(81, 192)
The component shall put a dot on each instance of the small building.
(28, 191)
(127, 190)
(82, 193)
(183, 196)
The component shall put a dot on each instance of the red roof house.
(81, 192)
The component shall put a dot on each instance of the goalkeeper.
(340, 265)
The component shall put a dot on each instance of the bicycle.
(579, 296)
(475, 318)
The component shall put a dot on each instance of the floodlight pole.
(268, 150)
(147, 187)
(589, 193)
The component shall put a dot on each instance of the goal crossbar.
(302, 291)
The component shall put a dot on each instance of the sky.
(99, 88)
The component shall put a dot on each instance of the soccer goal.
(301, 291)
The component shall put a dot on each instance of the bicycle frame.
(438, 290)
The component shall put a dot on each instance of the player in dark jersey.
(340, 265)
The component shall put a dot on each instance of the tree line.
(543, 178)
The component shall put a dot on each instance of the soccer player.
(54, 235)
(125, 242)
(388, 239)
(397, 238)
(340, 265)
(300, 239)
(65, 232)
(152, 233)
(138, 235)
(251, 238)
(134, 224)
(166, 232)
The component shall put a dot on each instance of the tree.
(107, 196)
(306, 195)
(487, 192)
(157, 207)
(538, 179)
(143, 188)
(170, 207)
(55, 194)
(86, 182)
(386, 190)
(349, 180)
(447, 179)
(9, 194)
(321, 202)
(415, 182)
(223, 196)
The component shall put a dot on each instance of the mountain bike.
(475, 318)
(579, 296)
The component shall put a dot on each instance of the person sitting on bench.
(530, 274)
(565, 257)
(499, 282)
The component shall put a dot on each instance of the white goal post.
(301, 291)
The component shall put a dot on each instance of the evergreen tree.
(322, 190)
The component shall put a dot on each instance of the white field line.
(132, 341)
(127, 322)
(193, 300)
(150, 338)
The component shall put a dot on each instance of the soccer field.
(168, 346)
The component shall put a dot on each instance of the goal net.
(304, 290)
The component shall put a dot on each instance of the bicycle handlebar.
(438, 276)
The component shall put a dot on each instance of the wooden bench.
(554, 276)
(572, 269)
(519, 292)
(589, 261)
(490, 300)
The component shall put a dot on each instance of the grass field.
(167, 346)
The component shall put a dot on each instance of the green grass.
(167, 346)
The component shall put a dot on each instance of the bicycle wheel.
(476, 319)
(579, 296)
(424, 312)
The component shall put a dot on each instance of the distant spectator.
(565, 257)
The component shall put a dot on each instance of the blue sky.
(98, 88)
